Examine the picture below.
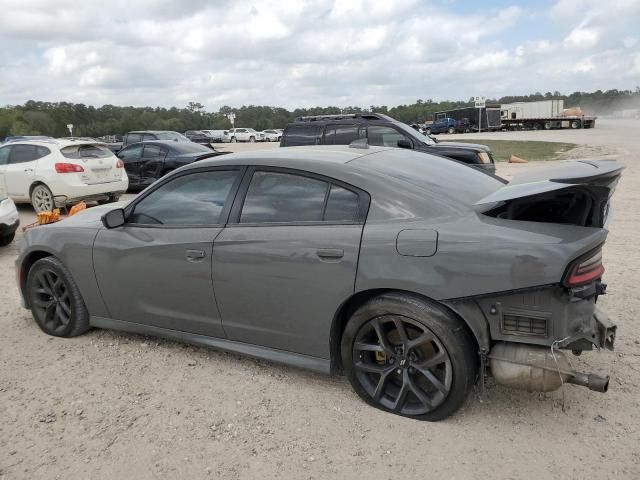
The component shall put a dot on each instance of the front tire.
(55, 300)
(452, 130)
(233, 140)
(409, 356)
(42, 198)
(252, 139)
(7, 239)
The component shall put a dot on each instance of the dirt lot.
(111, 405)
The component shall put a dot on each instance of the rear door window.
(4, 155)
(131, 153)
(275, 197)
(152, 151)
(342, 205)
(345, 134)
(27, 153)
(134, 137)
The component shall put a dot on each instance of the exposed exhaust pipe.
(537, 369)
(591, 381)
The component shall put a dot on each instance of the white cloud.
(311, 52)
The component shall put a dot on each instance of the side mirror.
(404, 143)
(114, 218)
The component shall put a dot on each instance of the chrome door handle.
(195, 255)
(330, 253)
(28, 169)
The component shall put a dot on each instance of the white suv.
(8, 218)
(245, 135)
(50, 173)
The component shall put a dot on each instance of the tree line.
(51, 118)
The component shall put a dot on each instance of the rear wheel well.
(348, 308)
(25, 267)
(34, 185)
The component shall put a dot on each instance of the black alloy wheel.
(410, 356)
(402, 365)
(55, 300)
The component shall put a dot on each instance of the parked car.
(51, 173)
(245, 135)
(271, 135)
(145, 135)
(146, 162)
(409, 273)
(8, 218)
(201, 137)
(218, 136)
(16, 138)
(442, 125)
(380, 130)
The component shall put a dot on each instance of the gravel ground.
(112, 405)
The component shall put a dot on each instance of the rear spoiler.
(575, 192)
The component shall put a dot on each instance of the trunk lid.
(97, 161)
(573, 193)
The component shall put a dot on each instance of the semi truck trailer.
(544, 114)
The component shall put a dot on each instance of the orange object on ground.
(78, 207)
(49, 217)
(514, 159)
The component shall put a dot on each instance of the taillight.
(68, 168)
(585, 269)
(119, 164)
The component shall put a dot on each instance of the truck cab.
(442, 125)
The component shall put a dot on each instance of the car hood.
(470, 146)
(87, 218)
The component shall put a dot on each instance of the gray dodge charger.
(413, 275)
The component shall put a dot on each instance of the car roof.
(153, 131)
(59, 142)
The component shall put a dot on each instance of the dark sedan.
(145, 162)
(198, 136)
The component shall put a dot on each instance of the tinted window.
(195, 199)
(134, 137)
(86, 151)
(131, 153)
(152, 151)
(384, 136)
(342, 205)
(302, 134)
(4, 155)
(282, 197)
(345, 134)
(27, 153)
(147, 136)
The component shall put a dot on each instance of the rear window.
(86, 151)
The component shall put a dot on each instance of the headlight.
(484, 157)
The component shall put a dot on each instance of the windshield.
(412, 133)
(86, 151)
(178, 137)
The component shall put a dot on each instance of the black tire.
(7, 239)
(547, 125)
(575, 124)
(55, 300)
(233, 140)
(439, 372)
(252, 139)
(452, 130)
(427, 131)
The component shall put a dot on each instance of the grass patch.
(532, 151)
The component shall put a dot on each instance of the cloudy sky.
(312, 52)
